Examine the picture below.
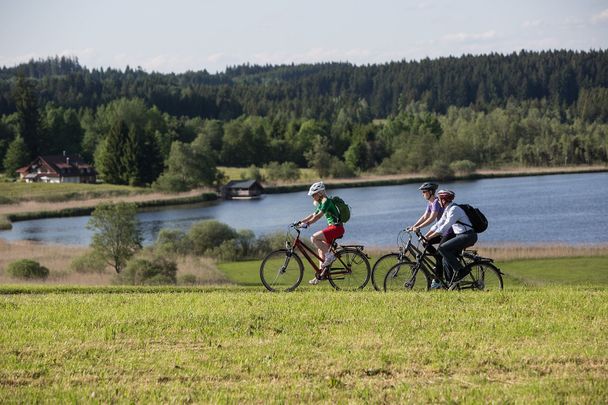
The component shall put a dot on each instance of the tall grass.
(57, 258)
(14, 192)
(507, 252)
(526, 346)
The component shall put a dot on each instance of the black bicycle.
(386, 262)
(418, 268)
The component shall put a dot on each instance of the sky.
(181, 35)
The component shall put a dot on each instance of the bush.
(145, 271)
(170, 242)
(27, 269)
(187, 279)
(89, 263)
(267, 243)
(5, 223)
(206, 235)
(441, 171)
(168, 182)
(252, 173)
(227, 251)
(339, 169)
(282, 171)
(463, 167)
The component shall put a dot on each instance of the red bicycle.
(282, 269)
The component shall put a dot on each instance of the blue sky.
(180, 35)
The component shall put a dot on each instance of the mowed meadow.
(541, 340)
(245, 345)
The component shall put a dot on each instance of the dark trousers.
(451, 248)
(438, 258)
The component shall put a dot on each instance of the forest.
(440, 115)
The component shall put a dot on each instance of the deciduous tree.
(116, 233)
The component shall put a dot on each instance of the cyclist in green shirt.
(324, 238)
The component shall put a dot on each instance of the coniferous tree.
(109, 157)
(28, 113)
(17, 156)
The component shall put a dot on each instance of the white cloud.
(468, 37)
(600, 17)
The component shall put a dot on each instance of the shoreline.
(393, 180)
(29, 210)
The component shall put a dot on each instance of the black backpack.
(478, 220)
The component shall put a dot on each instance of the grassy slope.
(249, 346)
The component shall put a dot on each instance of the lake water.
(570, 208)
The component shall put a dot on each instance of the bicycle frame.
(306, 251)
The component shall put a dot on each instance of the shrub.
(251, 173)
(5, 223)
(170, 242)
(340, 169)
(149, 271)
(267, 243)
(463, 167)
(441, 171)
(89, 263)
(227, 251)
(282, 171)
(187, 279)
(6, 200)
(27, 269)
(206, 235)
(168, 182)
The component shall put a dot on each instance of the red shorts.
(333, 232)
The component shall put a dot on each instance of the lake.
(565, 208)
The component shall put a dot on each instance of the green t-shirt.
(331, 212)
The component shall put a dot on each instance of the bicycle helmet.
(447, 195)
(315, 188)
(428, 187)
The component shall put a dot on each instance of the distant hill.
(321, 90)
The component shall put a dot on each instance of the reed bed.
(57, 258)
(509, 252)
(540, 251)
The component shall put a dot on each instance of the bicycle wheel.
(381, 267)
(350, 271)
(483, 276)
(407, 275)
(281, 270)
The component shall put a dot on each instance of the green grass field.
(237, 173)
(531, 343)
(583, 271)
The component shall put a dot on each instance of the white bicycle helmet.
(447, 195)
(315, 188)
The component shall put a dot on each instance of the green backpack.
(343, 209)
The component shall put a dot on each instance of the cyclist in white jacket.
(452, 243)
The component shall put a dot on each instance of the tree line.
(530, 108)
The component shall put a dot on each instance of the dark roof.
(66, 165)
(243, 184)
